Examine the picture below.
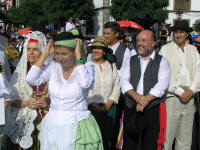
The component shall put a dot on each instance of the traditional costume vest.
(150, 78)
(119, 54)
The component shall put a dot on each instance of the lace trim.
(22, 126)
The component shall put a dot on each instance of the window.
(182, 4)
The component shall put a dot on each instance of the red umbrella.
(125, 23)
(24, 30)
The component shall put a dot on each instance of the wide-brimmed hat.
(181, 25)
(99, 41)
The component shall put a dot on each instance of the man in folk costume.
(111, 33)
(144, 79)
(184, 60)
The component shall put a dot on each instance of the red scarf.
(41, 89)
(163, 117)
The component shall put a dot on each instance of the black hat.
(181, 25)
(66, 36)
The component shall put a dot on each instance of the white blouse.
(106, 86)
(66, 95)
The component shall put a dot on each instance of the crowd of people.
(64, 95)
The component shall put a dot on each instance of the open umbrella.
(126, 23)
(24, 30)
(194, 38)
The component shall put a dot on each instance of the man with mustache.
(185, 71)
(144, 79)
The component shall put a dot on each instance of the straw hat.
(101, 42)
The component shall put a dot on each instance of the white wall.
(195, 5)
(98, 3)
(102, 15)
(191, 16)
(98, 21)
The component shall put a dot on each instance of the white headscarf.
(17, 80)
(22, 118)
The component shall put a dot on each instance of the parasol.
(24, 30)
(125, 23)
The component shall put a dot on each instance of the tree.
(196, 26)
(144, 12)
(44, 12)
(60, 10)
(29, 12)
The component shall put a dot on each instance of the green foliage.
(14, 14)
(44, 12)
(60, 10)
(144, 12)
(28, 12)
(196, 26)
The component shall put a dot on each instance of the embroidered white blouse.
(65, 95)
(106, 86)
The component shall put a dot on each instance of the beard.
(146, 52)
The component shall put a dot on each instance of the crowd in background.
(66, 92)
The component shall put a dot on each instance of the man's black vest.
(150, 78)
(119, 54)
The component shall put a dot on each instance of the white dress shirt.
(127, 55)
(69, 27)
(163, 77)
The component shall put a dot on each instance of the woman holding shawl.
(30, 102)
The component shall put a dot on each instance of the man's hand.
(142, 100)
(139, 108)
(186, 96)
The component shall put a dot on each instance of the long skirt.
(106, 122)
(88, 135)
(62, 130)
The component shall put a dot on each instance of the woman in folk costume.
(104, 95)
(5, 97)
(30, 102)
(68, 125)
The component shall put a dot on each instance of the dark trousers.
(145, 124)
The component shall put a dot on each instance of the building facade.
(183, 9)
(102, 15)
(178, 9)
